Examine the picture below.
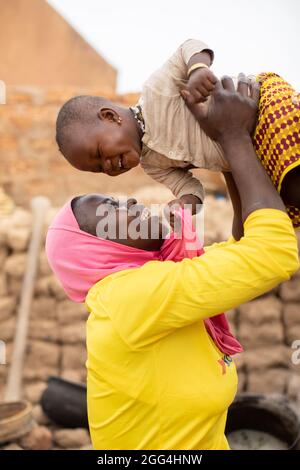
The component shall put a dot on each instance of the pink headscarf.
(80, 259)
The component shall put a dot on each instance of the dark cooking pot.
(265, 413)
(64, 402)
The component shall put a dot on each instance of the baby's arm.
(185, 187)
(191, 59)
(201, 80)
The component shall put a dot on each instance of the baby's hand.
(200, 86)
(188, 201)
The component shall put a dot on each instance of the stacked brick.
(29, 153)
(56, 336)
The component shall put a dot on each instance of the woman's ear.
(109, 114)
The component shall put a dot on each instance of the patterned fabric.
(277, 135)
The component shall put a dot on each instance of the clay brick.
(291, 314)
(7, 308)
(7, 331)
(293, 387)
(71, 438)
(292, 333)
(268, 381)
(56, 288)
(3, 285)
(70, 312)
(40, 353)
(44, 330)
(33, 391)
(74, 357)
(241, 382)
(263, 310)
(257, 336)
(38, 372)
(290, 291)
(39, 438)
(18, 238)
(267, 357)
(3, 253)
(42, 286)
(44, 308)
(70, 334)
(232, 316)
(14, 287)
(15, 265)
(72, 374)
(39, 415)
(44, 268)
(239, 360)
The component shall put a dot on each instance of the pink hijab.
(80, 259)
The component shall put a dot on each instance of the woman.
(159, 372)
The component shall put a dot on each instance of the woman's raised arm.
(165, 296)
(229, 119)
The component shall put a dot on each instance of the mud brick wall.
(30, 162)
(56, 338)
(56, 335)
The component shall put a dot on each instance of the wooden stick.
(13, 390)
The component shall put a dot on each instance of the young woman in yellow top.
(156, 379)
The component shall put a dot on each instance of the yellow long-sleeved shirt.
(156, 380)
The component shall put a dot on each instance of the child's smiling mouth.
(121, 164)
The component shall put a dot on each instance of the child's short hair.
(78, 110)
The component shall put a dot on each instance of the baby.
(162, 135)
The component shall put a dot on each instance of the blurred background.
(52, 51)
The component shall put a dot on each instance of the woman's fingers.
(198, 110)
(227, 83)
(194, 96)
(255, 91)
(243, 85)
(218, 87)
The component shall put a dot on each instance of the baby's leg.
(277, 139)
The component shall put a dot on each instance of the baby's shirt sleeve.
(180, 181)
(167, 79)
(192, 47)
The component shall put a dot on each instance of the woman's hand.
(229, 112)
(229, 118)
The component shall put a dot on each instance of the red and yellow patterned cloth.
(277, 135)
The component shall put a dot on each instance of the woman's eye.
(114, 202)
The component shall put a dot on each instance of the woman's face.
(120, 220)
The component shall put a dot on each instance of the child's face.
(104, 148)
